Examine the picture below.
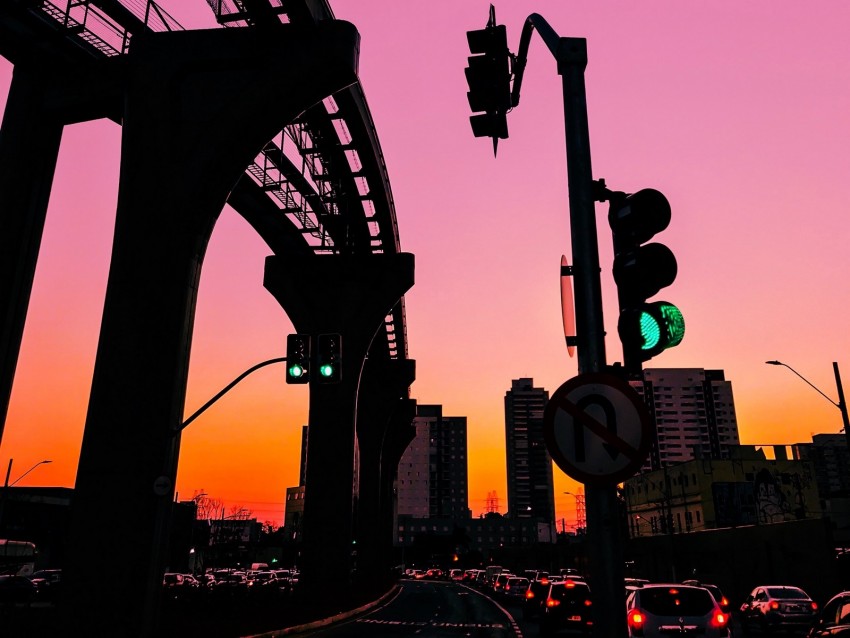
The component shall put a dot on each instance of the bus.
(17, 558)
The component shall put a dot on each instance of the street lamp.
(7, 485)
(9, 471)
(637, 525)
(841, 405)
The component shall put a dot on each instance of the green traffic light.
(674, 322)
(296, 371)
(662, 326)
(650, 331)
(326, 370)
(652, 328)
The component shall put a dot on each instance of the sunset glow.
(737, 112)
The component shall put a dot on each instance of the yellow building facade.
(756, 486)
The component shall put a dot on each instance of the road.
(440, 609)
(431, 609)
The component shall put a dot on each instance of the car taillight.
(724, 602)
(507, 587)
(529, 594)
(569, 584)
(774, 604)
(720, 619)
(636, 619)
(587, 602)
(552, 602)
(814, 606)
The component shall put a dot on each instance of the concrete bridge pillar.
(198, 107)
(29, 146)
(384, 385)
(349, 295)
(399, 434)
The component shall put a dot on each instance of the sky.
(737, 112)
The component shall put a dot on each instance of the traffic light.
(298, 358)
(641, 270)
(489, 79)
(329, 358)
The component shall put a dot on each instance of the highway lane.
(430, 609)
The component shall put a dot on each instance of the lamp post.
(7, 485)
(841, 405)
(638, 517)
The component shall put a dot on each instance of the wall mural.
(767, 497)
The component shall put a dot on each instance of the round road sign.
(597, 429)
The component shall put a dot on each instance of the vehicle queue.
(563, 602)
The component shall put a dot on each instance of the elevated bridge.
(267, 115)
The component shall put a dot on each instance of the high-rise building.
(694, 414)
(531, 492)
(432, 473)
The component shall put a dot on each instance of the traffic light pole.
(603, 528)
(227, 389)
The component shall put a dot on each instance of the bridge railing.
(107, 33)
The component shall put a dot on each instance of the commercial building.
(531, 492)
(694, 415)
(756, 485)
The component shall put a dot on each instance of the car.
(632, 584)
(206, 580)
(471, 575)
(535, 574)
(658, 610)
(724, 603)
(570, 572)
(234, 584)
(834, 618)
(535, 596)
(515, 588)
(48, 582)
(566, 605)
(500, 580)
(778, 607)
(17, 589)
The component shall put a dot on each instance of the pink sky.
(738, 112)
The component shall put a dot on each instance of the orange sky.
(740, 121)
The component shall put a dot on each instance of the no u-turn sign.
(597, 429)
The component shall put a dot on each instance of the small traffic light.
(298, 358)
(489, 79)
(329, 358)
(641, 270)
